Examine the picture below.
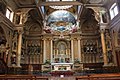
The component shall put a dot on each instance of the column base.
(108, 65)
(14, 70)
(19, 66)
(105, 65)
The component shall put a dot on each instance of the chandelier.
(61, 7)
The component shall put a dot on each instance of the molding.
(6, 21)
(60, 3)
(115, 22)
(93, 5)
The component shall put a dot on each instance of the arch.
(89, 22)
(62, 40)
(33, 20)
(62, 46)
(3, 39)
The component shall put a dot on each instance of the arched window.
(9, 14)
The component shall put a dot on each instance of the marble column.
(19, 47)
(72, 52)
(79, 50)
(21, 18)
(44, 53)
(104, 48)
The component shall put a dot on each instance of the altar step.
(63, 78)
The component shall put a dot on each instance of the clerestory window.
(9, 14)
(113, 11)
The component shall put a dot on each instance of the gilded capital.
(20, 31)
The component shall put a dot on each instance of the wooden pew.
(82, 78)
(41, 78)
(19, 77)
(113, 76)
(22, 77)
(2, 77)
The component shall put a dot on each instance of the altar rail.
(22, 77)
(115, 76)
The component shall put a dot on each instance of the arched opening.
(2, 37)
(61, 20)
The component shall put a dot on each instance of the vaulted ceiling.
(39, 9)
(40, 4)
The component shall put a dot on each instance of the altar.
(59, 69)
(62, 66)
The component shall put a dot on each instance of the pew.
(82, 78)
(22, 77)
(113, 76)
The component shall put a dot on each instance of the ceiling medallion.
(61, 7)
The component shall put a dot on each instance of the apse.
(61, 20)
(61, 15)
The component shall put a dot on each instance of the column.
(21, 18)
(72, 52)
(54, 52)
(19, 47)
(44, 55)
(51, 42)
(79, 51)
(57, 51)
(104, 48)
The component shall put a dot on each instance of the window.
(113, 10)
(9, 15)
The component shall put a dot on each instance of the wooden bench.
(82, 78)
(41, 77)
(115, 76)
(22, 77)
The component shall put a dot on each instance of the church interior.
(59, 38)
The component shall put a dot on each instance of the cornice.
(6, 21)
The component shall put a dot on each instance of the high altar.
(65, 44)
